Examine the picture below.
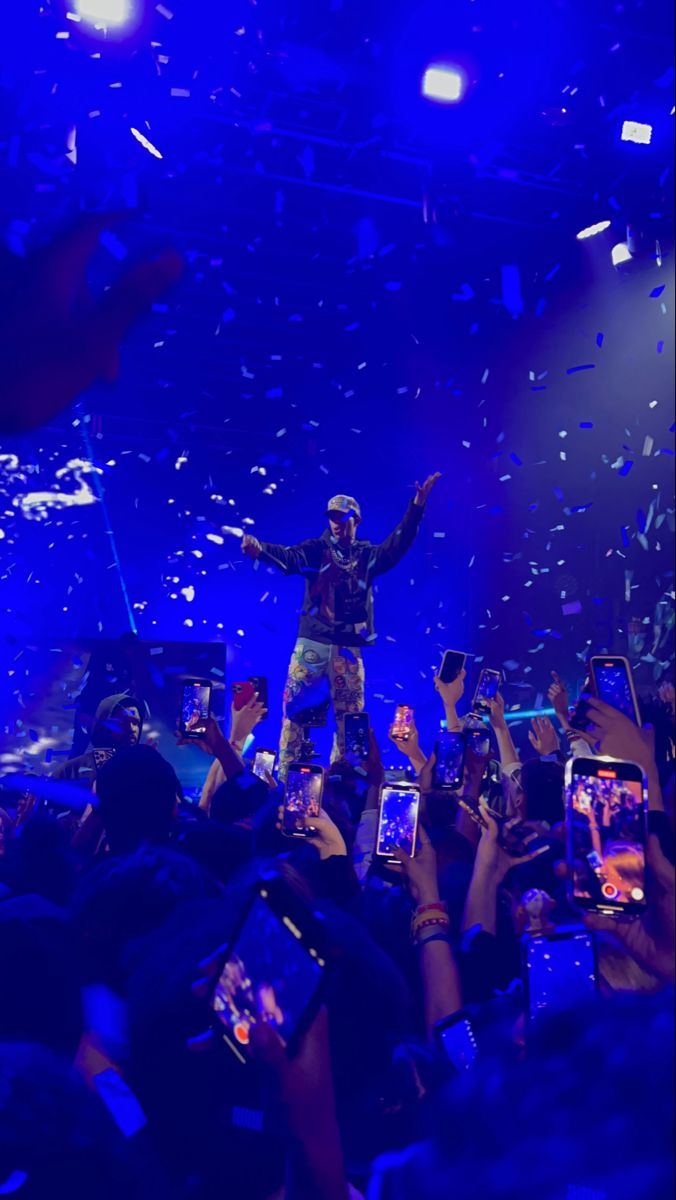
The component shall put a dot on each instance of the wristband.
(435, 937)
(423, 918)
(439, 905)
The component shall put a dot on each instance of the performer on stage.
(336, 619)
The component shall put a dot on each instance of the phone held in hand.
(264, 763)
(195, 708)
(302, 799)
(487, 689)
(558, 969)
(606, 820)
(455, 1037)
(259, 684)
(243, 693)
(613, 682)
(401, 725)
(356, 737)
(397, 819)
(452, 664)
(449, 764)
(477, 736)
(273, 971)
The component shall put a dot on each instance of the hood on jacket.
(102, 732)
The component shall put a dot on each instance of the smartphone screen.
(403, 719)
(264, 763)
(478, 739)
(272, 973)
(303, 797)
(195, 708)
(613, 683)
(487, 689)
(456, 1038)
(560, 970)
(397, 819)
(356, 737)
(451, 665)
(607, 831)
(259, 684)
(450, 761)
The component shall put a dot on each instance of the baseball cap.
(343, 504)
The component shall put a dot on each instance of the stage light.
(592, 230)
(104, 12)
(635, 131)
(443, 83)
(620, 254)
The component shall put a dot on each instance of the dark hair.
(121, 899)
(542, 784)
(40, 993)
(137, 791)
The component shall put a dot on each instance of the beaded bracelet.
(436, 911)
(416, 929)
(438, 904)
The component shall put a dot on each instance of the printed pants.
(319, 676)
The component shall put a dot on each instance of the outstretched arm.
(292, 560)
(392, 550)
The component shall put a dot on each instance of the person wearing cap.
(336, 620)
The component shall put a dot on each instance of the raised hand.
(420, 872)
(496, 711)
(244, 721)
(451, 692)
(618, 737)
(56, 341)
(422, 490)
(558, 697)
(251, 546)
(543, 736)
(491, 857)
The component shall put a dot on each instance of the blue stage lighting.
(635, 131)
(443, 83)
(592, 230)
(104, 12)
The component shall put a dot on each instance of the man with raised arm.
(336, 619)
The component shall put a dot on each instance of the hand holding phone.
(487, 689)
(397, 819)
(242, 694)
(264, 763)
(613, 683)
(452, 664)
(400, 729)
(302, 799)
(195, 708)
(449, 764)
(606, 817)
(356, 727)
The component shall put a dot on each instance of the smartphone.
(452, 664)
(264, 763)
(273, 971)
(303, 797)
(449, 766)
(195, 708)
(401, 726)
(613, 682)
(517, 840)
(242, 694)
(259, 684)
(397, 819)
(356, 737)
(606, 819)
(559, 970)
(456, 1038)
(486, 689)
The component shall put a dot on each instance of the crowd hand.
(410, 747)
(420, 872)
(422, 490)
(649, 939)
(491, 857)
(496, 711)
(251, 546)
(209, 743)
(614, 735)
(543, 736)
(451, 692)
(667, 694)
(242, 722)
(558, 698)
(57, 341)
(326, 836)
(374, 763)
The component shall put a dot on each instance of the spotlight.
(634, 131)
(443, 83)
(592, 230)
(104, 12)
(620, 254)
